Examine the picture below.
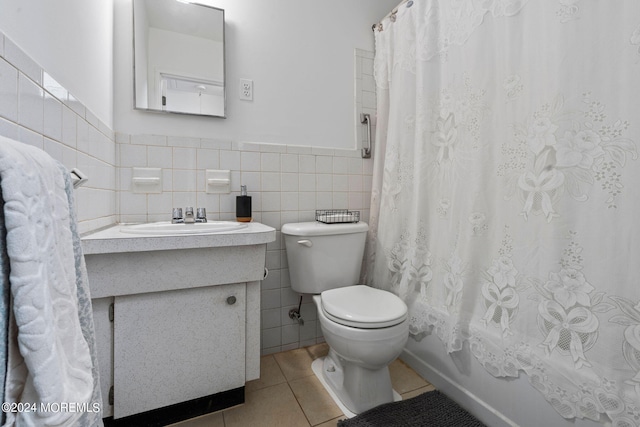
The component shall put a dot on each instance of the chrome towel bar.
(78, 178)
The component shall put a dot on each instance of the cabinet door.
(174, 346)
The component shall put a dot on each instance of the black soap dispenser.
(243, 205)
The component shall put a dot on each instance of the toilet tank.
(324, 256)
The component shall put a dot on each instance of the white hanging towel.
(50, 347)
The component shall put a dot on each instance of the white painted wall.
(300, 55)
(72, 40)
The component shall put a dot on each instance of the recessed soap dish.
(146, 180)
(218, 181)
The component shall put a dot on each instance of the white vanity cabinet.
(174, 346)
(176, 323)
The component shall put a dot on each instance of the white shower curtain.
(506, 191)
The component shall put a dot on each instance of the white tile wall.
(38, 111)
(365, 93)
(287, 184)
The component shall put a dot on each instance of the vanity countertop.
(112, 240)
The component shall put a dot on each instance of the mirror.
(178, 51)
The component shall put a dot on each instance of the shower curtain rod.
(393, 12)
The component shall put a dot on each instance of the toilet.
(365, 328)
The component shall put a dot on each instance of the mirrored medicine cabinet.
(179, 57)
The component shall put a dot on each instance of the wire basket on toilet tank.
(337, 216)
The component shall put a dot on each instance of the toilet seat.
(363, 307)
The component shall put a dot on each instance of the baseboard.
(180, 411)
(469, 401)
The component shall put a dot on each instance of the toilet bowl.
(365, 328)
(356, 368)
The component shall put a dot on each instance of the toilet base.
(331, 376)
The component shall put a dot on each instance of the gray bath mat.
(432, 409)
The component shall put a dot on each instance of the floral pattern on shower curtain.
(506, 190)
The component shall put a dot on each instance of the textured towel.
(4, 303)
(51, 354)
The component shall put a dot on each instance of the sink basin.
(164, 228)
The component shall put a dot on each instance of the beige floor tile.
(405, 379)
(332, 423)
(318, 350)
(288, 394)
(273, 406)
(209, 420)
(294, 363)
(315, 401)
(270, 374)
(417, 392)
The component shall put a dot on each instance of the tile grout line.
(299, 404)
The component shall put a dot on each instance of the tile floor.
(288, 394)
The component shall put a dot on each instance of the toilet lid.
(363, 307)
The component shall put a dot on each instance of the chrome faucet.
(189, 218)
(188, 215)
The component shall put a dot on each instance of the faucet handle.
(176, 216)
(201, 215)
